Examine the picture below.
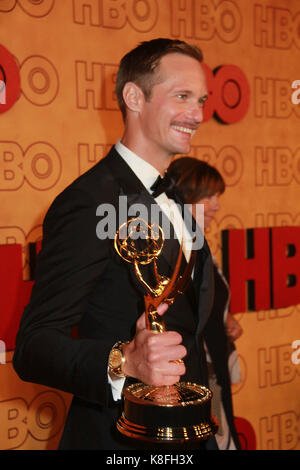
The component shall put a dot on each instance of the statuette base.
(177, 413)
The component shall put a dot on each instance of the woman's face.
(211, 206)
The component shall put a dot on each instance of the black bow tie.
(163, 185)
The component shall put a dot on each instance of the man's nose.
(196, 112)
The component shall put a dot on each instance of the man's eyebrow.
(203, 99)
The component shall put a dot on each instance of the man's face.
(172, 115)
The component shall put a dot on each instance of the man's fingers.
(167, 338)
(166, 373)
(171, 368)
(167, 352)
(155, 358)
(162, 308)
(141, 322)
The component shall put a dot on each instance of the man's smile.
(190, 130)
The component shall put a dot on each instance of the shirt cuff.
(117, 384)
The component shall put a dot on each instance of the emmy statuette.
(176, 413)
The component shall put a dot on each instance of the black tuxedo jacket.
(82, 281)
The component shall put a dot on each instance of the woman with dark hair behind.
(200, 183)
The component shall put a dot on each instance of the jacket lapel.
(138, 198)
(136, 193)
(204, 285)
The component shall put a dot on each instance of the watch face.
(115, 358)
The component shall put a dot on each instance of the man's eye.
(202, 100)
(182, 96)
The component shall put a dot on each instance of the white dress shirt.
(147, 174)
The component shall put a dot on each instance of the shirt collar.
(145, 172)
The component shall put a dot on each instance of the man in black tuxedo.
(80, 279)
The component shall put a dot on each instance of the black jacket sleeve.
(71, 261)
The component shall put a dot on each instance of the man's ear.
(133, 96)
